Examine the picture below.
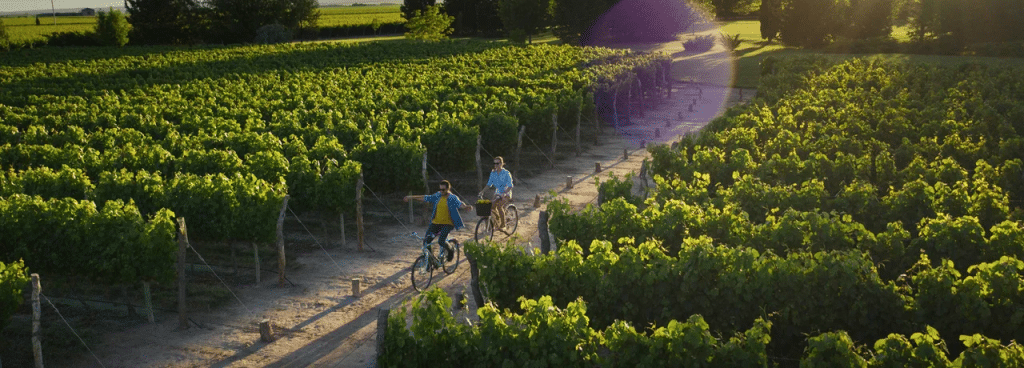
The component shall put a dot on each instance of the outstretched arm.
(415, 197)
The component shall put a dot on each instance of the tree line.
(952, 24)
(217, 21)
(577, 22)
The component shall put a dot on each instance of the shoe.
(449, 252)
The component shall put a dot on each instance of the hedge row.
(546, 335)
(805, 292)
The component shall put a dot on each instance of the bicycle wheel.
(422, 274)
(484, 230)
(450, 266)
(511, 219)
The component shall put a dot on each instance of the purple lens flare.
(701, 76)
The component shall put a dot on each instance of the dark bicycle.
(423, 267)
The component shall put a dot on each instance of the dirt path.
(319, 323)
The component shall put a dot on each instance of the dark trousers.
(441, 232)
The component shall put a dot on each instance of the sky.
(9, 6)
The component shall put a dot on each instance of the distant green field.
(753, 50)
(25, 28)
(358, 15)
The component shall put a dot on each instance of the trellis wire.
(221, 280)
(72, 330)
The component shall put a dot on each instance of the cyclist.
(501, 181)
(445, 217)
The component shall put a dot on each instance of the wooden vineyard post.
(479, 168)
(579, 122)
(615, 109)
(542, 231)
(629, 101)
(37, 344)
(412, 214)
(426, 186)
(359, 211)
(474, 282)
(554, 134)
(344, 242)
(382, 330)
(234, 261)
(182, 246)
(147, 294)
(256, 255)
(519, 149)
(643, 175)
(280, 244)
(641, 96)
(666, 79)
(597, 118)
(266, 331)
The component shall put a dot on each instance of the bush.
(112, 28)
(72, 39)
(5, 38)
(499, 132)
(360, 30)
(811, 23)
(871, 19)
(731, 42)
(13, 278)
(386, 165)
(878, 45)
(272, 33)
(450, 145)
(517, 36)
(699, 43)
(998, 49)
(429, 25)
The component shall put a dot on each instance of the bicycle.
(423, 267)
(486, 227)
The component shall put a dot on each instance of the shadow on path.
(316, 349)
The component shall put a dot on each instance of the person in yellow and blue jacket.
(445, 217)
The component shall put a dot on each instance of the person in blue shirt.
(445, 217)
(501, 180)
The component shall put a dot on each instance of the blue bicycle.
(423, 267)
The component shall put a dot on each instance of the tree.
(572, 19)
(770, 15)
(112, 28)
(812, 23)
(410, 7)
(430, 25)
(644, 20)
(238, 20)
(871, 18)
(525, 16)
(166, 21)
(729, 8)
(299, 15)
(375, 25)
(475, 17)
(5, 38)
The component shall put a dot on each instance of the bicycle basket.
(483, 209)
